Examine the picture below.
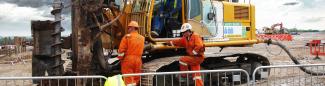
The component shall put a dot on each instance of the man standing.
(167, 15)
(130, 53)
(195, 52)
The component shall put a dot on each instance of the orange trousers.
(194, 63)
(131, 65)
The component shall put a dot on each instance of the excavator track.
(157, 65)
(154, 66)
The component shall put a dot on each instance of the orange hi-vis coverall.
(130, 53)
(194, 45)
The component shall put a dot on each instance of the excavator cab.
(166, 19)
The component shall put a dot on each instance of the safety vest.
(175, 3)
(114, 81)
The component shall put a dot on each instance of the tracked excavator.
(274, 30)
(280, 34)
(99, 25)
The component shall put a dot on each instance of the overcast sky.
(303, 14)
(15, 15)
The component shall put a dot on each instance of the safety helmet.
(133, 24)
(185, 27)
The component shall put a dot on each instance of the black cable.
(294, 59)
(269, 51)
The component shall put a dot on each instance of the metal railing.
(209, 77)
(280, 75)
(289, 75)
(53, 81)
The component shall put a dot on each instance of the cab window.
(194, 9)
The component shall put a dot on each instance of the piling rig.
(100, 24)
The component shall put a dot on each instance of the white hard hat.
(185, 27)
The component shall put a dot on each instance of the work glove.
(194, 53)
(112, 60)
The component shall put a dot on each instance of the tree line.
(11, 41)
(308, 30)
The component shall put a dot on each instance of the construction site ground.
(14, 66)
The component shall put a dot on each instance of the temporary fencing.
(209, 77)
(317, 47)
(289, 75)
(279, 37)
(280, 75)
(53, 81)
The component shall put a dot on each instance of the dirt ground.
(274, 54)
(16, 65)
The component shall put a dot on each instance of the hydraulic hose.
(294, 59)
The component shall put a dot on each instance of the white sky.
(306, 14)
(16, 20)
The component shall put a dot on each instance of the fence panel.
(53, 81)
(289, 75)
(226, 77)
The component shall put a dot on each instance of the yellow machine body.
(232, 25)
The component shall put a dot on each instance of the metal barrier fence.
(53, 81)
(289, 75)
(280, 75)
(224, 77)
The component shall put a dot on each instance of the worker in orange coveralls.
(195, 50)
(130, 53)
